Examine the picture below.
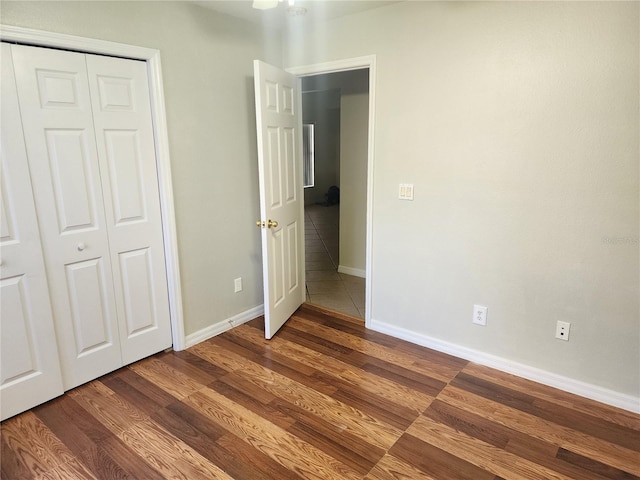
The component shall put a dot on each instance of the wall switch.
(237, 283)
(562, 330)
(406, 191)
(479, 315)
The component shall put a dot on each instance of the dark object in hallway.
(333, 196)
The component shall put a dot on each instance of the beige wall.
(354, 135)
(208, 79)
(518, 124)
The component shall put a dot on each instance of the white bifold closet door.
(29, 366)
(90, 148)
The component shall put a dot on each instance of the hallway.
(325, 286)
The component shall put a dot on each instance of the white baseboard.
(223, 326)
(594, 392)
(356, 272)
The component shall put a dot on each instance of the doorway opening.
(336, 107)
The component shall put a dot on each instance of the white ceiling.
(316, 10)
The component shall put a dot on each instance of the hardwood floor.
(324, 399)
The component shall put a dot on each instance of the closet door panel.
(29, 364)
(137, 282)
(123, 160)
(17, 338)
(90, 309)
(53, 92)
(74, 193)
(126, 151)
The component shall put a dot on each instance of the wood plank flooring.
(324, 399)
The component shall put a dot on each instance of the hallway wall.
(354, 143)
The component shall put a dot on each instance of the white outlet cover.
(479, 315)
(562, 330)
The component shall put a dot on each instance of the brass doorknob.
(272, 223)
(259, 223)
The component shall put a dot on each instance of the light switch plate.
(406, 191)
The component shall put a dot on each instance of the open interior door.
(279, 126)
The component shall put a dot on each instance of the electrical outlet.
(562, 330)
(479, 315)
(237, 284)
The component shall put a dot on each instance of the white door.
(126, 152)
(89, 133)
(279, 127)
(53, 91)
(29, 367)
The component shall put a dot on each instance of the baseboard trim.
(593, 392)
(356, 272)
(223, 326)
(327, 311)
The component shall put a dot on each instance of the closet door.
(29, 365)
(53, 92)
(126, 152)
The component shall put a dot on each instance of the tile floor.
(325, 286)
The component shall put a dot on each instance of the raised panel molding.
(292, 274)
(17, 348)
(57, 89)
(90, 313)
(116, 94)
(125, 170)
(68, 160)
(287, 100)
(290, 166)
(140, 310)
(275, 179)
(278, 279)
(272, 102)
(7, 226)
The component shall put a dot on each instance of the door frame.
(343, 65)
(151, 56)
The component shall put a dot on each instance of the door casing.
(356, 63)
